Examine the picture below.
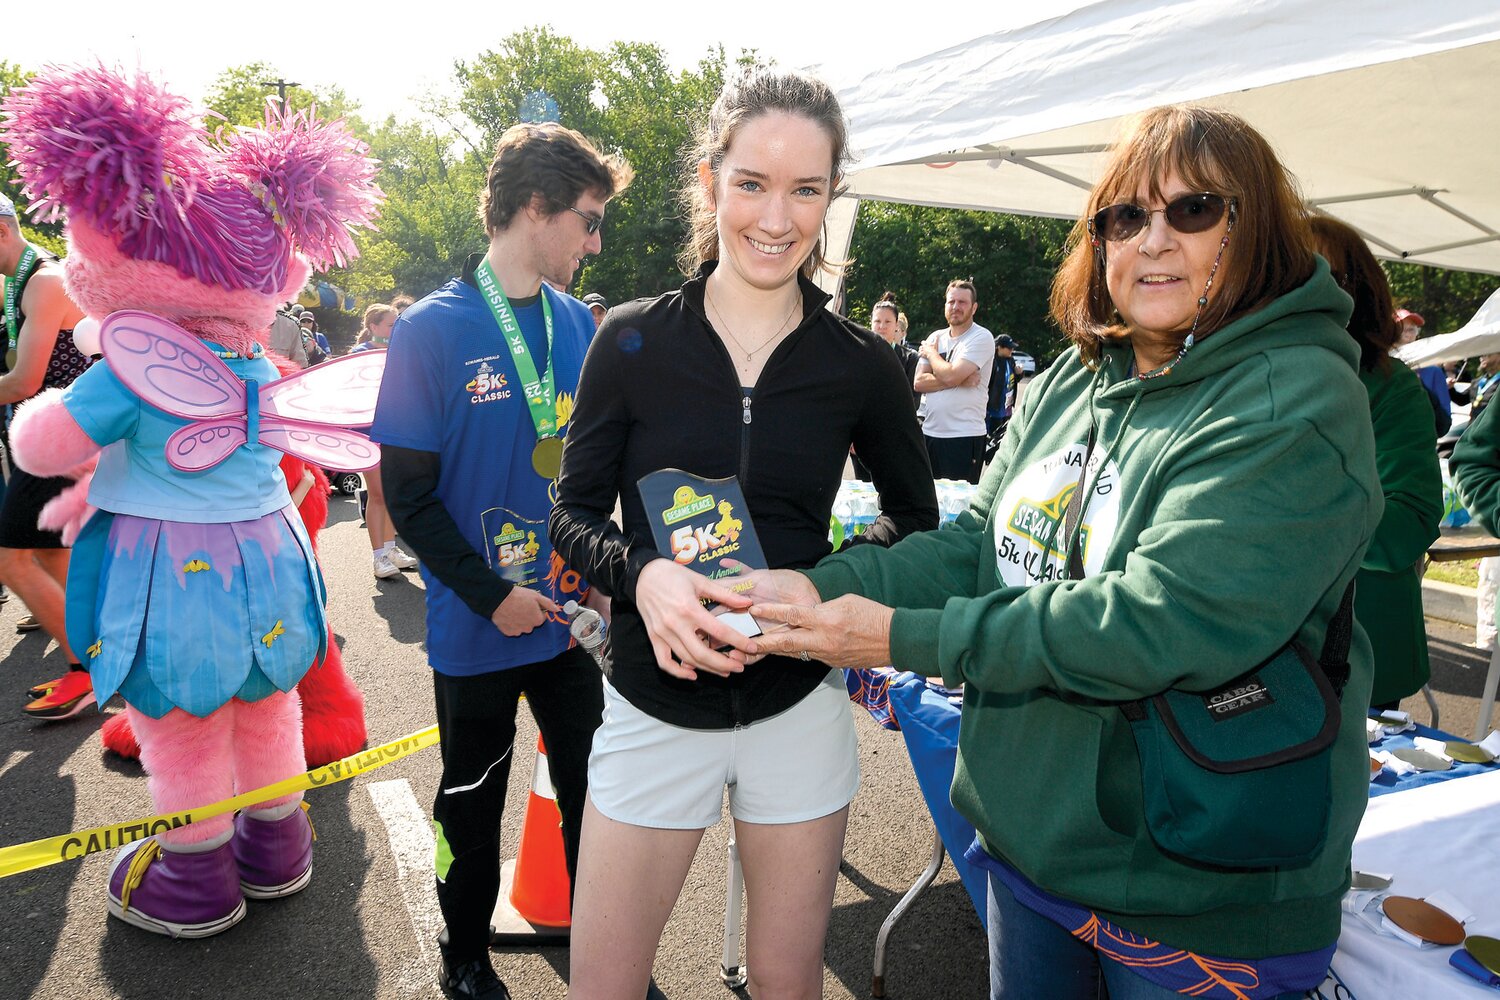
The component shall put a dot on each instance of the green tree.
(429, 221)
(914, 251)
(1445, 299)
(626, 100)
(494, 85)
(650, 112)
(240, 94)
(43, 234)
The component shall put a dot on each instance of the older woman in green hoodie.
(1203, 459)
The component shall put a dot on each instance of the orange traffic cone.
(534, 903)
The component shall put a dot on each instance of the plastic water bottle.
(587, 626)
(866, 508)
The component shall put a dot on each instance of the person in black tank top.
(39, 320)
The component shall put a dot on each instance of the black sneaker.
(474, 980)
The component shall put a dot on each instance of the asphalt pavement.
(363, 928)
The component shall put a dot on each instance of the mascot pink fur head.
(213, 235)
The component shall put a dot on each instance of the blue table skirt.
(927, 717)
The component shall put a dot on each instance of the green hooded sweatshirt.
(1232, 500)
(1388, 589)
(1475, 467)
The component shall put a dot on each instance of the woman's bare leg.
(629, 878)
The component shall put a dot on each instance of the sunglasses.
(592, 222)
(1190, 213)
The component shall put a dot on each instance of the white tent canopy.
(1480, 335)
(1388, 113)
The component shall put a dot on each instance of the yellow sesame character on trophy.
(729, 526)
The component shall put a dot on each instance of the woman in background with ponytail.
(885, 321)
(389, 558)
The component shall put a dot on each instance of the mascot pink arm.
(50, 439)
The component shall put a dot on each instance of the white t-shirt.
(959, 412)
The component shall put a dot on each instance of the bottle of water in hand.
(587, 626)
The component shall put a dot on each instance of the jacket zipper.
(745, 437)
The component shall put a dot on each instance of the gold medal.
(546, 457)
(1486, 951)
(10, 360)
(1422, 761)
(1419, 917)
(1468, 753)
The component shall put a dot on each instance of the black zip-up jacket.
(658, 390)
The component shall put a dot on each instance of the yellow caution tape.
(70, 847)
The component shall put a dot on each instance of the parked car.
(347, 483)
(1025, 363)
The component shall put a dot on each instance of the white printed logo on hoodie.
(1029, 528)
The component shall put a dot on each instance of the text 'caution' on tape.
(72, 846)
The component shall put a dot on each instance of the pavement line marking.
(413, 846)
(13, 759)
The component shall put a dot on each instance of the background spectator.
(388, 558)
(597, 305)
(953, 373)
(1388, 588)
(1433, 378)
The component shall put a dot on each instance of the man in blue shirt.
(474, 406)
(1433, 379)
(1002, 400)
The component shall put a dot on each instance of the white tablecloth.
(1444, 836)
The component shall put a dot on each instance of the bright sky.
(387, 55)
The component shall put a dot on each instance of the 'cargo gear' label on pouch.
(1245, 694)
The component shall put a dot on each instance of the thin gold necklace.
(750, 355)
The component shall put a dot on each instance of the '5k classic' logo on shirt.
(1030, 534)
(487, 385)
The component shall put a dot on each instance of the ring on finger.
(804, 657)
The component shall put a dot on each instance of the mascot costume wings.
(193, 592)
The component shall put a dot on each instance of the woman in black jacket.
(743, 372)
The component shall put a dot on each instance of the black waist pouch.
(1241, 777)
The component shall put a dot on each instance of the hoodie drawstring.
(1092, 483)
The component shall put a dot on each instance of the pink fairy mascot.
(194, 591)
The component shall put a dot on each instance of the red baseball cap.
(1402, 315)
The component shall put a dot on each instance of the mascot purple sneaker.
(193, 590)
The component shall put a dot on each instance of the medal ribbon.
(13, 287)
(540, 398)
